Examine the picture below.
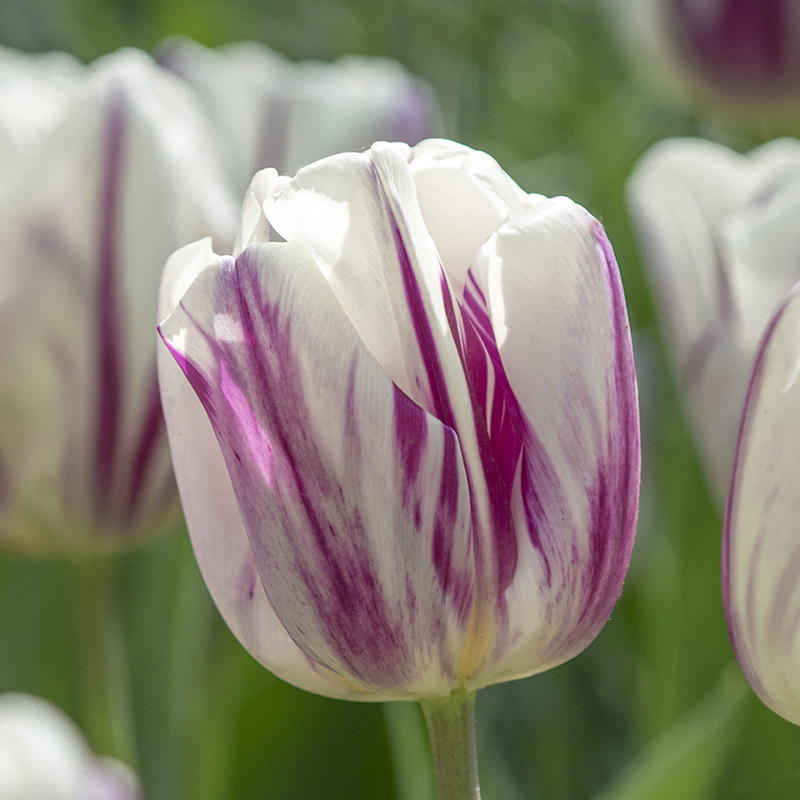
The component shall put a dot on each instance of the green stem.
(451, 727)
(108, 715)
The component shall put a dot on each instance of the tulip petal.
(761, 549)
(707, 218)
(218, 535)
(558, 314)
(369, 571)
(360, 217)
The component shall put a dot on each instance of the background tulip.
(742, 47)
(761, 552)
(721, 242)
(44, 757)
(270, 112)
(34, 90)
(123, 175)
(739, 54)
(425, 472)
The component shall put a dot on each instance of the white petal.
(354, 500)
(559, 316)
(721, 245)
(761, 549)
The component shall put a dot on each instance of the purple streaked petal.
(337, 207)
(744, 47)
(368, 568)
(453, 365)
(218, 535)
(360, 217)
(108, 335)
(146, 449)
(555, 298)
(761, 549)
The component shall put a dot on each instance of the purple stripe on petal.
(108, 308)
(614, 496)
(501, 526)
(437, 385)
(447, 513)
(151, 434)
(538, 478)
(332, 467)
(346, 595)
(501, 410)
(411, 436)
(477, 366)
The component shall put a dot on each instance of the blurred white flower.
(34, 92)
(761, 548)
(43, 756)
(721, 242)
(124, 173)
(270, 112)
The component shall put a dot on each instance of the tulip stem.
(451, 728)
(107, 710)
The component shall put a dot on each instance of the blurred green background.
(656, 707)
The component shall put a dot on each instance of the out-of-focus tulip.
(747, 48)
(761, 548)
(43, 756)
(425, 472)
(270, 112)
(124, 175)
(721, 240)
(738, 53)
(34, 90)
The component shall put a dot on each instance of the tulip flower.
(404, 427)
(270, 112)
(761, 549)
(741, 47)
(722, 245)
(43, 756)
(123, 174)
(740, 55)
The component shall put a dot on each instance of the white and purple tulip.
(270, 112)
(748, 48)
(722, 245)
(741, 55)
(124, 173)
(404, 423)
(43, 756)
(761, 546)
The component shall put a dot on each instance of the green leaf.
(688, 759)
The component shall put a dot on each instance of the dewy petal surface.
(761, 548)
(557, 309)
(354, 499)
